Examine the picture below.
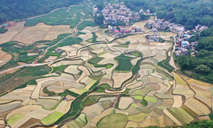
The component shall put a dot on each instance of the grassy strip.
(58, 68)
(71, 93)
(165, 63)
(50, 93)
(136, 68)
(77, 105)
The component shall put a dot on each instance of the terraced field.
(105, 85)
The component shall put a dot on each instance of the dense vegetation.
(16, 10)
(186, 12)
(3, 30)
(201, 65)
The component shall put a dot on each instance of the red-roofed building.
(133, 29)
(116, 31)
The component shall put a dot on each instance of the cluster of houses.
(200, 28)
(114, 13)
(182, 42)
(123, 31)
(161, 24)
(183, 36)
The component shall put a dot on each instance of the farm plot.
(4, 57)
(72, 70)
(9, 106)
(125, 102)
(120, 78)
(113, 121)
(14, 119)
(52, 118)
(47, 103)
(104, 114)
(57, 30)
(138, 117)
(32, 34)
(124, 63)
(12, 32)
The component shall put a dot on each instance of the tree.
(99, 19)
(100, 6)
(144, 17)
(203, 69)
(183, 62)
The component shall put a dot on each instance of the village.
(114, 13)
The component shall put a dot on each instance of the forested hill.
(186, 12)
(21, 9)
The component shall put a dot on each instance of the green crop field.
(14, 119)
(165, 64)
(116, 120)
(52, 118)
(95, 60)
(124, 63)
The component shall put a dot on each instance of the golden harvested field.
(179, 80)
(4, 57)
(29, 35)
(119, 78)
(178, 102)
(12, 32)
(32, 34)
(125, 102)
(72, 70)
(199, 84)
(57, 30)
